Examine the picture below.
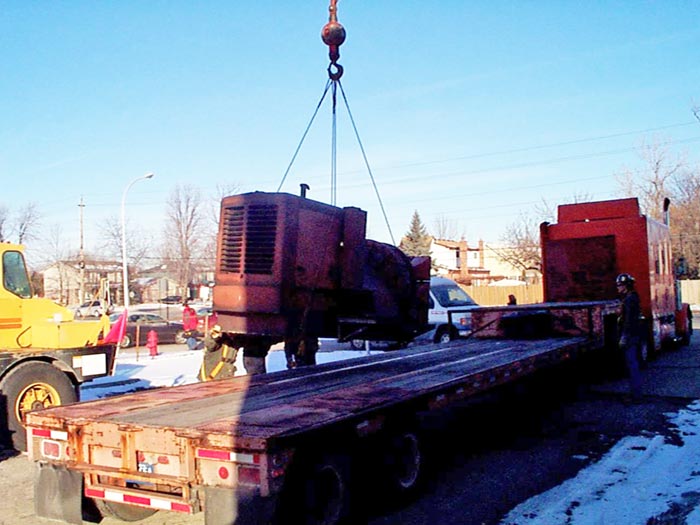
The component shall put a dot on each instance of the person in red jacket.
(189, 325)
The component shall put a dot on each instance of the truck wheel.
(443, 335)
(30, 386)
(123, 512)
(318, 492)
(403, 463)
(357, 344)
(688, 331)
(126, 341)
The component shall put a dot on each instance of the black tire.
(443, 335)
(317, 492)
(402, 460)
(357, 344)
(30, 386)
(685, 341)
(78, 314)
(123, 512)
(127, 341)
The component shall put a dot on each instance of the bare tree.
(183, 233)
(521, 243)
(27, 220)
(661, 176)
(4, 213)
(139, 243)
(654, 180)
(444, 228)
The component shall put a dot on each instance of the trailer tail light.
(45, 443)
(222, 467)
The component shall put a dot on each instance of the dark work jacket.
(630, 325)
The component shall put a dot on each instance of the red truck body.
(594, 242)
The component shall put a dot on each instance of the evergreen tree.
(416, 242)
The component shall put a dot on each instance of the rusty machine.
(290, 267)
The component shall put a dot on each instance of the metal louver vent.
(248, 239)
(232, 239)
(261, 231)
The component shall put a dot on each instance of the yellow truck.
(45, 353)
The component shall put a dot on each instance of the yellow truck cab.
(45, 354)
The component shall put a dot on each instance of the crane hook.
(333, 35)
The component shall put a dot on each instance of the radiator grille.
(248, 239)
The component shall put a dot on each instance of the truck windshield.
(14, 272)
(453, 295)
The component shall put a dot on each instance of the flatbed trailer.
(283, 447)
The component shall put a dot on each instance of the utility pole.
(82, 254)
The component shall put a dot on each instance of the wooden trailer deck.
(255, 412)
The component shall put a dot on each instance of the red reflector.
(116, 453)
(94, 493)
(40, 432)
(249, 475)
(213, 454)
(180, 507)
(141, 457)
(223, 473)
(51, 449)
(163, 460)
(138, 500)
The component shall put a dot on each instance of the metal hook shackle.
(333, 35)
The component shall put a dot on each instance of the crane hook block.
(333, 35)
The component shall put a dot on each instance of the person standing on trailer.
(631, 332)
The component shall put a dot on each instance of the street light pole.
(125, 270)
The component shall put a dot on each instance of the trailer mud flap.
(58, 493)
(237, 506)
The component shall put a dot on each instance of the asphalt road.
(484, 458)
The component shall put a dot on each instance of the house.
(471, 265)
(65, 283)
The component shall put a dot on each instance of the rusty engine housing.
(288, 265)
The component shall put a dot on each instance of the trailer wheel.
(403, 463)
(317, 493)
(30, 386)
(123, 512)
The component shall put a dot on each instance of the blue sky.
(468, 111)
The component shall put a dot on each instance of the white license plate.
(146, 468)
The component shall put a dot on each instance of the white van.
(448, 316)
(449, 312)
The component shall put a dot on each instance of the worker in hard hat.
(219, 358)
(630, 331)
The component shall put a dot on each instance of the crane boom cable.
(306, 132)
(369, 169)
(334, 137)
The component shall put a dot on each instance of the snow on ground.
(640, 478)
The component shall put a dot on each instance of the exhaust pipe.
(667, 214)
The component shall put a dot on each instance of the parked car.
(92, 308)
(449, 312)
(171, 299)
(168, 331)
(206, 318)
